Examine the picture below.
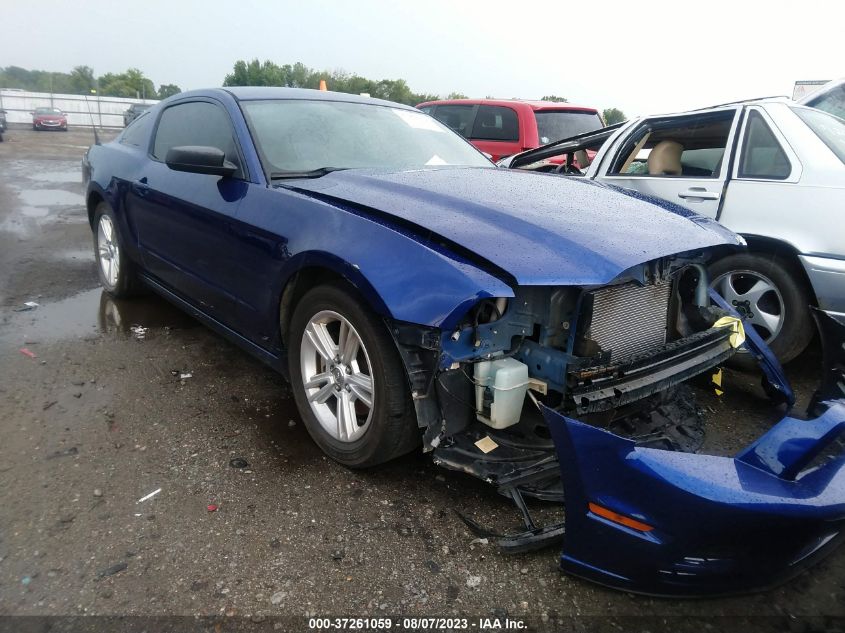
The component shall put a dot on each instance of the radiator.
(630, 319)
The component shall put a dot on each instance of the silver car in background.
(769, 169)
(829, 98)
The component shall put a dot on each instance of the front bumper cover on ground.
(660, 522)
(669, 523)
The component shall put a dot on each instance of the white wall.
(80, 110)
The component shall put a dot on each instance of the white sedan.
(770, 169)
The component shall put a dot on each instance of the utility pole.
(99, 114)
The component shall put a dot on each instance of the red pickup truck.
(501, 127)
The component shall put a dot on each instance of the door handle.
(140, 187)
(699, 193)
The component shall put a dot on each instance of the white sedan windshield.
(301, 136)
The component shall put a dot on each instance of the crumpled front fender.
(669, 523)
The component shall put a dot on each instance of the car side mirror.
(198, 159)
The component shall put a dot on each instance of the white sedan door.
(683, 159)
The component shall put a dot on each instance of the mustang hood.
(540, 229)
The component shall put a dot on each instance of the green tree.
(298, 75)
(168, 90)
(131, 83)
(554, 98)
(82, 80)
(456, 95)
(613, 115)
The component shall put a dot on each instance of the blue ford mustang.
(530, 330)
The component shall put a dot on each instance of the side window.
(762, 155)
(495, 123)
(196, 123)
(427, 109)
(457, 117)
(138, 131)
(688, 147)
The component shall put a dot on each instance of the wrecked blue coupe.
(532, 331)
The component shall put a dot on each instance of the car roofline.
(537, 106)
(279, 93)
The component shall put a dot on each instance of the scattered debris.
(338, 555)
(277, 597)
(199, 585)
(27, 352)
(479, 541)
(238, 462)
(68, 452)
(78, 394)
(29, 305)
(291, 423)
(47, 405)
(185, 376)
(473, 581)
(486, 444)
(275, 543)
(139, 331)
(98, 492)
(149, 496)
(26, 580)
(212, 507)
(114, 569)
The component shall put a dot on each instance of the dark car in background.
(49, 119)
(501, 127)
(133, 112)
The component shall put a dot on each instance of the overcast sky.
(641, 57)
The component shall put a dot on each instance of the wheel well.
(94, 199)
(758, 244)
(301, 282)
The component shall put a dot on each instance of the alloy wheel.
(108, 250)
(337, 376)
(756, 298)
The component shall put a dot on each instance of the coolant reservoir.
(500, 387)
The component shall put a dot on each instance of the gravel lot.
(101, 417)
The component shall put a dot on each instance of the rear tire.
(116, 271)
(340, 356)
(771, 290)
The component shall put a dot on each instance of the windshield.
(554, 125)
(830, 129)
(832, 101)
(47, 111)
(303, 136)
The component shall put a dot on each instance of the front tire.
(117, 273)
(348, 380)
(769, 292)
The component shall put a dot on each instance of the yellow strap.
(716, 379)
(737, 337)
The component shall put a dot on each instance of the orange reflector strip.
(620, 519)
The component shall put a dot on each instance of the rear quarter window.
(762, 155)
(137, 132)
